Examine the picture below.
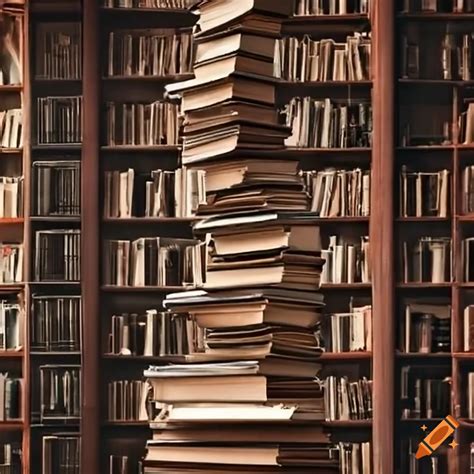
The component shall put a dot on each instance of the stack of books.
(259, 306)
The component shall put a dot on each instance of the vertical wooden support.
(381, 235)
(90, 241)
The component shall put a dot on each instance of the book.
(127, 400)
(11, 128)
(56, 322)
(331, 7)
(11, 457)
(339, 192)
(424, 193)
(61, 454)
(58, 51)
(11, 326)
(427, 259)
(11, 196)
(162, 193)
(154, 261)
(60, 387)
(11, 392)
(57, 188)
(57, 255)
(317, 123)
(323, 60)
(11, 38)
(426, 327)
(143, 124)
(151, 52)
(468, 328)
(11, 263)
(59, 120)
(151, 4)
(347, 261)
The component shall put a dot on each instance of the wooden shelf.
(423, 219)
(323, 84)
(149, 220)
(430, 356)
(142, 289)
(348, 424)
(145, 359)
(152, 79)
(426, 148)
(344, 356)
(145, 11)
(11, 425)
(464, 356)
(11, 287)
(34, 353)
(55, 218)
(139, 148)
(11, 354)
(425, 285)
(345, 286)
(60, 147)
(126, 424)
(420, 16)
(11, 88)
(8, 221)
(11, 151)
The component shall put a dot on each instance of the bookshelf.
(431, 106)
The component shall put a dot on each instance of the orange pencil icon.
(436, 437)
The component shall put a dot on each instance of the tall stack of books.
(251, 399)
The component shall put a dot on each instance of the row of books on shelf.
(151, 4)
(61, 454)
(59, 51)
(339, 192)
(155, 123)
(11, 326)
(303, 60)
(155, 333)
(55, 323)
(154, 261)
(10, 458)
(425, 393)
(11, 196)
(60, 393)
(331, 7)
(59, 120)
(347, 261)
(317, 123)
(11, 389)
(127, 400)
(455, 57)
(56, 188)
(151, 52)
(437, 6)
(157, 194)
(11, 128)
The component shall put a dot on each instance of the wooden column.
(90, 428)
(381, 235)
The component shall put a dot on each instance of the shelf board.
(344, 356)
(426, 148)
(464, 356)
(55, 218)
(347, 18)
(127, 424)
(468, 284)
(425, 285)
(11, 221)
(11, 151)
(426, 16)
(466, 423)
(118, 10)
(139, 148)
(11, 287)
(44, 81)
(62, 147)
(345, 286)
(150, 78)
(299, 150)
(11, 88)
(55, 283)
(418, 355)
(55, 353)
(11, 354)
(423, 219)
(428, 82)
(142, 289)
(11, 425)
(323, 84)
(149, 220)
(349, 424)
(465, 218)
(145, 359)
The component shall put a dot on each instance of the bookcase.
(415, 224)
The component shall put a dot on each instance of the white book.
(470, 395)
(339, 254)
(138, 262)
(438, 255)
(351, 264)
(151, 315)
(2, 197)
(7, 129)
